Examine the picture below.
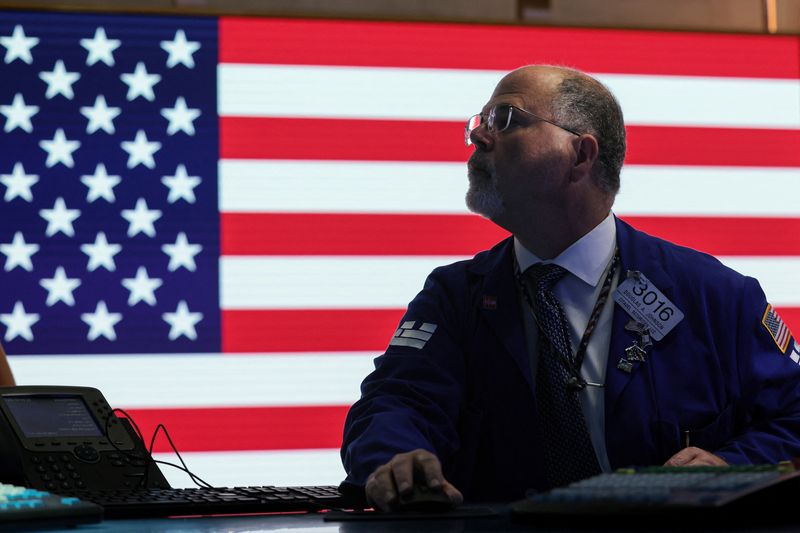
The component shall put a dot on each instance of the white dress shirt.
(587, 262)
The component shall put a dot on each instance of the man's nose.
(482, 138)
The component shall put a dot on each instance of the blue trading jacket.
(468, 394)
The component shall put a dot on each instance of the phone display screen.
(52, 416)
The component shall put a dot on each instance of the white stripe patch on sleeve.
(408, 335)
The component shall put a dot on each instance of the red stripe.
(465, 235)
(244, 428)
(462, 46)
(665, 145)
(321, 330)
(726, 235)
(356, 234)
(341, 139)
(405, 140)
(308, 330)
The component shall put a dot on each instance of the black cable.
(201, 483)
(127, 453)
(197, 480)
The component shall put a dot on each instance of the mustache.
(479, 162)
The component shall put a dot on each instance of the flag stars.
(18, 184)
(59, 288)
(100, 48)
(101, 253)
(101, 322)
(181, 185)
(100, 116)
(181, 254)
(59, 218)
(18, 253)
(18, 323)
(18, 115)
(59, 81)
(142, 287)
(140, 83)
(140, 219)
(18, 45)
(140, 150)
(182, 322)
(180, 50)
(180, 117)
(100, 184)
(59, 150)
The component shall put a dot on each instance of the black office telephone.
(59, 438)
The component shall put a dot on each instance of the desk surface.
(313, 523)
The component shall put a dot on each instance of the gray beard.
(483, 197)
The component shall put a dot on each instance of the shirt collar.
(587, 258)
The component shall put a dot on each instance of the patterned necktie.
(568, 451)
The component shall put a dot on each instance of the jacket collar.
(499, 302)
(637, 252)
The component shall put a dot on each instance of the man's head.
(563, 147)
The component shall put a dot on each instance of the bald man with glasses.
(578, 345)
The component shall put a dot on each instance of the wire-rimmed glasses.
(499, 119)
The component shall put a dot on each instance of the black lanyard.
(576, 382)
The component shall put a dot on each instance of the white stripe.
(705, 101)
(323, 282)
(352, 92)
(357, 187)
(342, 187)
(709, 191)
(326, 282)
(203, 380)
(445, 94)
(777, 276)
(253, 468)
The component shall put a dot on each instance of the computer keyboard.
(143, 503)
(21, 507)
(666, 492)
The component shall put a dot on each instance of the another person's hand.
(692, 456)
(389, 481)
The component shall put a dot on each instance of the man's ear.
(586, 152)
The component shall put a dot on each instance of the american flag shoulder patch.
(777, 328)
(409, 335)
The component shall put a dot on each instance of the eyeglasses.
(499, 119)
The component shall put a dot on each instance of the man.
(580, 345)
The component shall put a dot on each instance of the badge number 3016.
(648, 305)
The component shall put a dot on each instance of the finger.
(453, 493)
(682, 457)
(402, 468)
(431, 469)
(704, 458)
(380, 489)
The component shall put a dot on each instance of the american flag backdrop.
(219, 221)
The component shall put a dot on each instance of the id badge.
(648, 305)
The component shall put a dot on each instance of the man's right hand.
(389, 481)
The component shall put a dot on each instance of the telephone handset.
(67, 439)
